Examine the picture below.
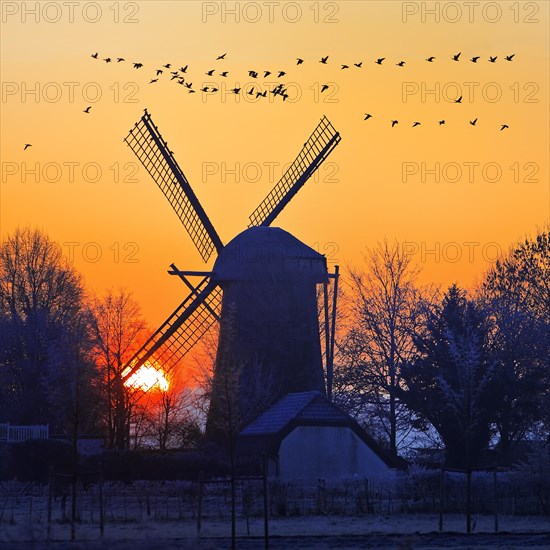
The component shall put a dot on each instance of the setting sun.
(148, 377)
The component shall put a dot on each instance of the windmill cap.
(264, 252)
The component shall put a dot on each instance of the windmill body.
(262, 289)
(269, 321)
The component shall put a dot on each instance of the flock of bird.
(181, 77)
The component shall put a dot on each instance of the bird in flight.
(153, 80)
(492, 59)
(94, 55)
(184, 69)
(509, 57)
(299, 61)
(430, 59)
(474, 59)
(138, 65)
(379, 60)
(167, 66)
(473, 122)
(281, 74)
(251, 91)
(416, 124)
(174, 76)
(324, 60)
(359, 65)
(27, 145)
(159, 71)
(458, 100)
(504, 126)
(253, 74)
(119, 59)
(210, 72)
(205, 89)
(224, 74)
(324, 87)
(221, 56)
(261, 94)
(456, 56)
(107, 60)
(266, 73)
(441, 122)
(394, 122)
(87, 109)
(367, 116)
(236, 90)
(345, 66)
(401, 64)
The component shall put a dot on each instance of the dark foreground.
(349, 542)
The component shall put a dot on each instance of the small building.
(306, 437)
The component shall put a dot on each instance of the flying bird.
(266, 73)
(184, 69)
(493, 59)
(430, 59)
(359, 65)
(345, 66)
(107, 60)
(473, 122)
(455, 57)
(210, 72)
(236, 90)
(394, 122)
(138, 65)
(441, 122)
(324, 60)
(27, 145)
(251, 91)
(214, 90)
(221, 56)
(379, 60)
(94, 55)
(119, 59)
(509, 57)
(87, 109)
(281, 74)
(174, 76)
(459, 100)
(253, 74)
(191, 91)
(504, 126)
(224, 74)
(153, 80)
(401, 64)
(324, 87)
(189, 84)
(416, 124)
(299, 61)
(261, 94)
(159, 71)
(474, 59)
(205, 89)
(167, 66)
(367, 116)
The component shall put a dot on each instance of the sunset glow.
(147, 378)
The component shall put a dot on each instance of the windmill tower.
(262, 288)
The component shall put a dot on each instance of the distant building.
(306, 437)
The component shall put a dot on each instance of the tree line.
(417, 365)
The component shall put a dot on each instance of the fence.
(9, 433)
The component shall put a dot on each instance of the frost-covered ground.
(396, 531)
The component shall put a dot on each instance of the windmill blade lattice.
(314, 152)
(152, 151)
(181, 331)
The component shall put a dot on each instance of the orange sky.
(378, 182)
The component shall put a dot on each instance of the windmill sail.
(314, 152)
(152, 151)
(181, 331)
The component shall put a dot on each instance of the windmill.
(262, 288)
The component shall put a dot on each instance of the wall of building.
(332, 453)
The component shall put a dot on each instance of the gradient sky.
(359, 198)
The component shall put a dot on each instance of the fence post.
(101, 511)
(266, 516)
(199, 512)
(495, 489)
(441, 494)
(50, 481)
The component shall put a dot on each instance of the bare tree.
(119, 330)
(385, 311)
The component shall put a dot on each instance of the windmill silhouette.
(262, 288)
